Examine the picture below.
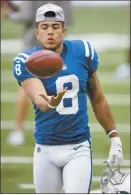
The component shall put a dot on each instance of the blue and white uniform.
(67, 125)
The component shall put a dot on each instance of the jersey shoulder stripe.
(18, 60)
(22, 57)
(89, 50)
(84, 47)
(23, 54)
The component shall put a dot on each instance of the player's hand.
(54, 101)
(115, 154)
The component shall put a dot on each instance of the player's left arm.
(104, 115)
(100, 105)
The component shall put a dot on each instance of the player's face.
(50, 34)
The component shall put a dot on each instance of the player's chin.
(52, 47)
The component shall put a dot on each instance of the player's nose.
(50, 31)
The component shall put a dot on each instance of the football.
(44, 63)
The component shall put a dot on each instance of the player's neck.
(59, 49)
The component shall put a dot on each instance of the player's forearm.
(104, 115)
(33, 88)
(41, 104)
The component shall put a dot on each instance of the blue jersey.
(68, 123)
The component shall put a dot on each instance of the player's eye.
(56, 27)
(44, 27)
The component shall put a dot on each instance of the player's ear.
(36, 33)
(64, 32)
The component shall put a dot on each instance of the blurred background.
(106, 25)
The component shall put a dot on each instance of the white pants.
(64, 166)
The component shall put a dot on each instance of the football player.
(62, 155)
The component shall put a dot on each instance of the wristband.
(111, 131)
(50, 106)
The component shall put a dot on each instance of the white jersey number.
(71, 93)
(18, 69)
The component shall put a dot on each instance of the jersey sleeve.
(19, 70)
(91, 57)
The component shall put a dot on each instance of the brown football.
(44, 63)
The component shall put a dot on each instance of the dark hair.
(50, 14)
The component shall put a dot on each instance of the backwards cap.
(57, 13)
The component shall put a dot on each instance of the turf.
(86, 20)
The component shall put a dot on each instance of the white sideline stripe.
(17, 160)
(99, 162)
(26, 186)
(99, 41)
(118, 99)
(28, 160)
(95, 179)
(97, 191)
(31, 186)
(95, 127)
(113, 99)
(105, 78)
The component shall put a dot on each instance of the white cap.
(58, 13)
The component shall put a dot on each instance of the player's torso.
(68, 122)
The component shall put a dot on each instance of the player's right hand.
(54, 101)
(115, 154)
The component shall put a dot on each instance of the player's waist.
(54, 142)
(61, 137)
(68, 146)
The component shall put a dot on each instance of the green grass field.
(92, 20)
